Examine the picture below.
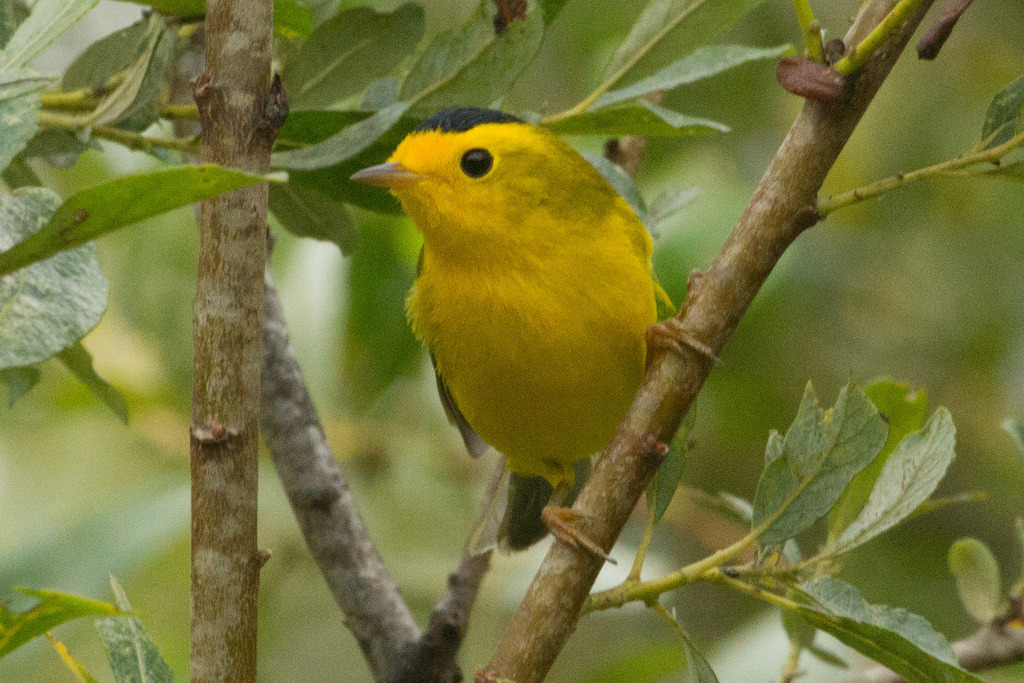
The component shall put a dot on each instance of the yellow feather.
(534, 293)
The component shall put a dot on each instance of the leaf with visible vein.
(53, 609)
(129, 199)
(1004, 114)
(19, 111)
(132, 654)
(635, 118)
(909, 476)
(473, 67)
(49, 19)
(343, 145)
(905, 411)
(806, 473)
(669, 28)
(904, 642)
(704, 62)
(50, 305)
(348, 52)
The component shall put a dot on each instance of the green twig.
(641, 551)
(791, 669)
(862, 51)
(950, 167)
(135, 141)
(811, 30)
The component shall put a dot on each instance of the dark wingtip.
(463, 119)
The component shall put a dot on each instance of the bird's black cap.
(463, 119)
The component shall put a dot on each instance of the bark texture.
(781, 208)
(240, 114)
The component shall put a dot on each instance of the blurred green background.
(924, 285)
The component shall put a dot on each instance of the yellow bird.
(534, 295)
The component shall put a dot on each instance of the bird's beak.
(389, 175)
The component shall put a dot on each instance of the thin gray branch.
(323, 505)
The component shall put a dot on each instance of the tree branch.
(781, 208)
(323, 505)
(990, 647)
(240, 116)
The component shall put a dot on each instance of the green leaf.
(79, 361)
(76, 667)
(905, 412)
(309, 127)
(129, 199)
(349, 51)
(133, 656)
(909, 476)
(636, 118)
(292, 20)
(1004, 114)
(108, 56)
(550, 9)
(904, 642)
(1013, 172)
(663, 487)
(669, 202)
(59, 147)
(474, 67)
(118, 103)
(308, 213)
(12, 14)
(19, 111)
(53, 609)
(828, 657)
(52, 304)
(1015, 429)
(19, 381)
(697, 668)
(343, 145)
(977, 578)
(379, 346)
(669, 28)
(703, 63)
(621, 181)
(806, 471)
(49, 19)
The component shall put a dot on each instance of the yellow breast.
(542, 352)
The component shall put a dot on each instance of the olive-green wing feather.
(474, 444)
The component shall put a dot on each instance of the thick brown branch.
(781, 208)
(990, 647)
(233, 98)
(334, 531)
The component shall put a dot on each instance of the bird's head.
(477, 179)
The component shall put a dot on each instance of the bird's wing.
(474, 444)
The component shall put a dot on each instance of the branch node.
(811, 80)
(213, 432)
(269, 121)
(260, 558)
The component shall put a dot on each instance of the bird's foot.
(561, 522)
(671, 335)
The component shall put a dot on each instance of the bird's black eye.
(477, 162)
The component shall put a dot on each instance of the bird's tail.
(522, 525)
